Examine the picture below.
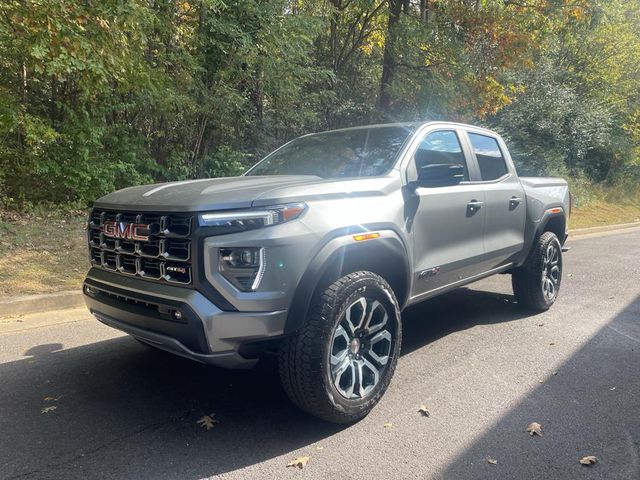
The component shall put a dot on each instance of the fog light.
(243, 267)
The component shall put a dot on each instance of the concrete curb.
(605, 228)
(73, 298)
(40, 303)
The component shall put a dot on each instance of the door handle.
(514, 202)
(473, 206)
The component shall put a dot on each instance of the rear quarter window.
(490, 159)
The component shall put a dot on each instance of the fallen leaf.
(589, 460)
(52, 399)
(552, 343)
(534, 428)
(540, 381)
(554, 373)
(541, 324)
(299, 462)
(612, 388)
(492, 461)
(49, 409)
(208, 421)
(319, 448)
(388, 425)
(424, 411)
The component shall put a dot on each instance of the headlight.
(243, 267)
(241, 220)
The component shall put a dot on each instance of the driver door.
(447, 227)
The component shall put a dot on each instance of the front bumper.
(200, 331)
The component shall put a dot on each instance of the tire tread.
(525, 280)
(300, 361)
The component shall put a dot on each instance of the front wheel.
(339, 364)
(536, 284)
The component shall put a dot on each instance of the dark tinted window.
(490, 159)
(441, 147)
(362, 152)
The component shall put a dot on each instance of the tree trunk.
(333, 35)
(388, 59)
(424, 10)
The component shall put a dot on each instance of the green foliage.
(96, 96)
(552, 129)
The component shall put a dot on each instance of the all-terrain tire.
(305, 362)
(542, 272)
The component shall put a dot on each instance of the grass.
(42, 252)
(601, 213)
(45, 251)
(596, 205)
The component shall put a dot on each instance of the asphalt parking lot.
(483, 367)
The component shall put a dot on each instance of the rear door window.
(490, 159)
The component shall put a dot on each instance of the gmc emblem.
(127, 231)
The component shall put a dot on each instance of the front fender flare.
(342, 255)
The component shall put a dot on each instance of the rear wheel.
(536, 284)
(339, 364)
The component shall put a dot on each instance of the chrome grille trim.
(165, 257)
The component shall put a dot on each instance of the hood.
(236, 193)
(197, 195)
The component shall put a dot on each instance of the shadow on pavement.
(591, 407)
(126, 411)
(458, 310)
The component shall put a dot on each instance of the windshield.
(363, 152)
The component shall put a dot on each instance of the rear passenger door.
(505, 207)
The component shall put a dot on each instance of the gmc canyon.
(315, 251)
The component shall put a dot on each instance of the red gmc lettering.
(126, 231)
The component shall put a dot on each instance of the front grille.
(165, 256)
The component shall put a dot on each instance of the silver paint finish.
(467, 231)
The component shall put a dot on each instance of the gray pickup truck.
(315, 251)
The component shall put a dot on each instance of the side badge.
(430, 272)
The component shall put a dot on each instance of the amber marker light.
(366, 236)
(555, 210)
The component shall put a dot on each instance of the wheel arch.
(385, 256)
(550, 222)
(555, 223)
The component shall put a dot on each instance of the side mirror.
(440, 175)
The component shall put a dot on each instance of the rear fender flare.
(553, 222)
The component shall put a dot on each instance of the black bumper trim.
(148, 313)
(230, 359)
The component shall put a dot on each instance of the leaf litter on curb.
(48, 409)
(589, 460)
(424, 411)
(534, 428)
(492, 461)
(207, 421)
(299, 462)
